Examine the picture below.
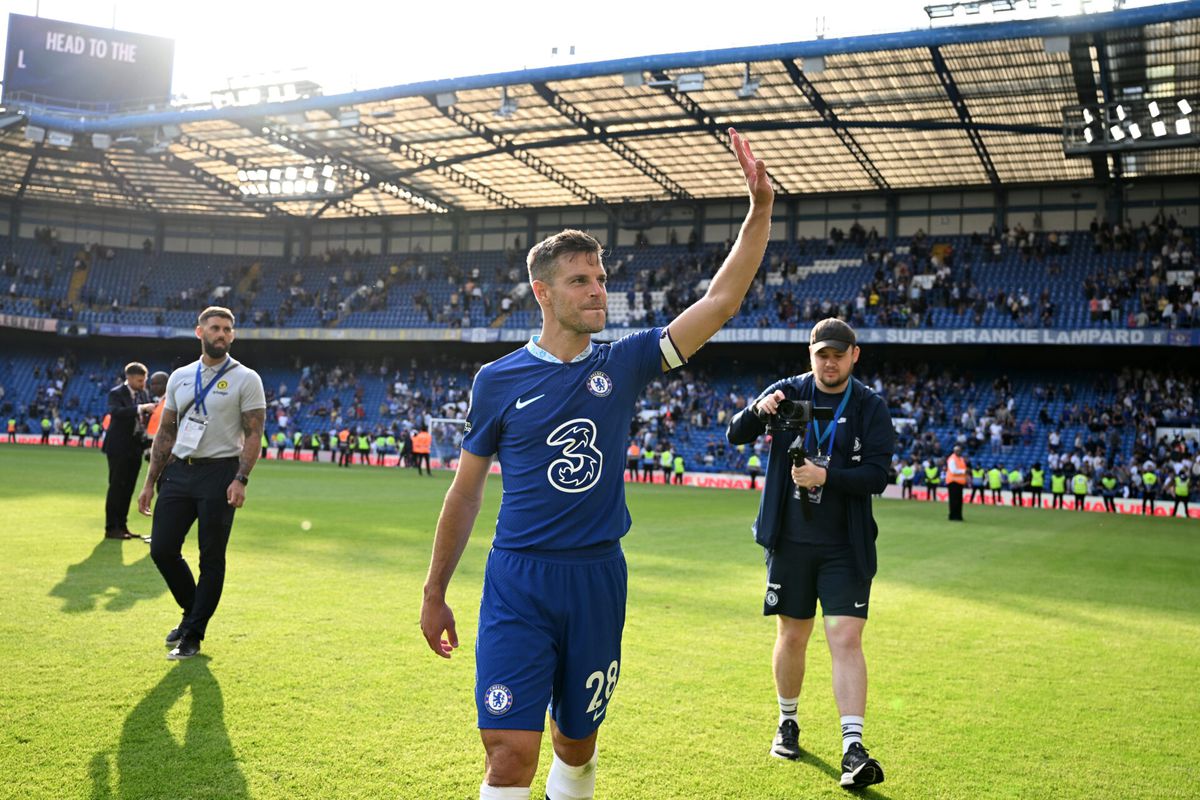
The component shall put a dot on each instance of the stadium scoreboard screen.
(52, 62)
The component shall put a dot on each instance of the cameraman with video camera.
(816, 526)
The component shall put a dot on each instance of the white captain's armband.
(670, 352)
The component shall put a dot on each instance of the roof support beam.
(964, 115)
(442, 168)
(819, 105)
(29, 168)
(750, 127)
(297, 143)
(1098, 38)
(213, 152)
(134, 194)
(1086, 90)
(190, 170)
(508, 146)
(600, 134)
(706, 123)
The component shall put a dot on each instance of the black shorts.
(800, 574)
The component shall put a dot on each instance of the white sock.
(572, 783)
(851, 732)
(489, 792)
(787, 708)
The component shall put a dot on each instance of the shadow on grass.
(835, 773)
(103, 572)
(151, 762)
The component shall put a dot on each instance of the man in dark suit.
(123, 445)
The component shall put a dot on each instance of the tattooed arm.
(160, 451)
(252, 429)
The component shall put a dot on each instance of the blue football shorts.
(550, 637)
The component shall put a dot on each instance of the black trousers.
(956, 500)
(190, 493)
(122, 476)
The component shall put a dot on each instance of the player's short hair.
(215, 311)
(543, 256)
(135, 368)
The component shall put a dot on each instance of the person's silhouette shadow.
(104, 574)
(151, 762)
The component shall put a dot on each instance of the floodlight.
(1087, 135)
(445, 99)
(749, 86)
(288, 186)
(327, 171)
(1134, 131)
(330, 185)
(244, 188)
(971, 8)
(275, 187)
(242, 175)
(312, 187)
(1116, 133)
(290, 173)
(33, 133)
(690, 82)
(348, 118)
(276, 173)
(632, 80)
(1183, 126)
(308, 172)
(1159, 127)
(262, 188)
(1121, 113)
(1185, 107)
(101, 141)
(60, 139)
(1087, 117)
(508, 106)
(1153, 107)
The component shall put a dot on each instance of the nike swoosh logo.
(522, 403)
(860, 605)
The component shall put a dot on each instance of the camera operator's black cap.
(833, 333)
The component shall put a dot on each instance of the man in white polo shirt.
(207, 444)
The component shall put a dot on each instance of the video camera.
(795, 415)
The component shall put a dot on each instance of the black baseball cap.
(833, 333)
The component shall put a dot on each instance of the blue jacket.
(858, 475)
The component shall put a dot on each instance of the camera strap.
(831, 431)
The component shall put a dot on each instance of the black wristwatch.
(245, 479)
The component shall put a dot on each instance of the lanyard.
(203, 393)
(831, 431)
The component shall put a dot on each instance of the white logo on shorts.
(498, 699)
(772, 598)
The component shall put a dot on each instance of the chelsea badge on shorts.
(498, 699)
(599, 384)
(772, 598)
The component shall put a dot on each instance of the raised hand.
(757, 183)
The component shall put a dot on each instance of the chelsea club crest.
(599, 384)
(498, 699)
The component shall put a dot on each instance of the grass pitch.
(1023, 654)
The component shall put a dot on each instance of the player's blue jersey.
(560, 430)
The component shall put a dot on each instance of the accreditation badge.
(815, 492)
(191, 431)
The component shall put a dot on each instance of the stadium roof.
(976, 106)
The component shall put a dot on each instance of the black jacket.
(857, 475)
(123, 437)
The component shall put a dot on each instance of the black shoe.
(187, 647)
(787, 741)
(859, 769)
(173, 637)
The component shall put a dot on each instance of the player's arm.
(459, 510)
(160, 451)
(696, 325)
